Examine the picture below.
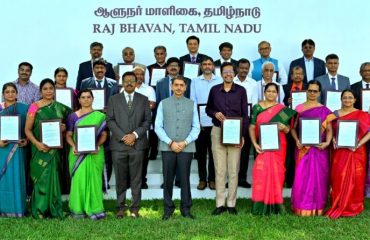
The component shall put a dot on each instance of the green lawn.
(205, 226)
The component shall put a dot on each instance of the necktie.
(129, 103)
(367, 85)
(193, 59)
(333, 85)
(99, 84)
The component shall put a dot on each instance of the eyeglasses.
(227, 71)
(312, 91)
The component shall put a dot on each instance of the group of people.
(179, 117)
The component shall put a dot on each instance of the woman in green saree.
(46, 198)
(86, 169)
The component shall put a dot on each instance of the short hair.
(25, 64)
(99, 62)
(128, 48)
(206, 58)
(160, 47)
(9, 84)
(295, 68)
(96, 44)
(271, 84)
(192, 38)
(309, 42)
(314, 82)
(172, 60)
(60, 69)
(178, 77)
(225, 45)
(348, 90)
(266, 63)
(263, 42)
(363, 65)
(83, 91)
(225, 64)
(45, 81)
(138, 67)
(243, 60)
(331, 56)
(128, 74)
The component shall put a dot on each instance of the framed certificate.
(122, 68)
(204, 120)
(310, 131)
(347, 133)
(231, 131)
(249, 110)
(298, 97)
(86, 139)
(333, 101)
(51, 133)
(191, 70)
(269, 137)
(365, 100)
(275, 77)
(218, 71)
(157, 74)
(64, 96)
(99, 99)
(10, 128)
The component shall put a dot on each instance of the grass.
(205, 226)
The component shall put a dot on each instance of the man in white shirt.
(268, 70)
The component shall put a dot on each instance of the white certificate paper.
(204, 120)
(218, 71)
(99, 99)
(191, 70)
(310, 132)
(347, 134)
(10, 127)
(298, 97)
(365, 100)
(231, 130)
(157, 74)
(51, 133)
(333, 101)
(86, 139)
(269, 136)
(64, 96)
(122, 69)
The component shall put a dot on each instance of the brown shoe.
(121, 214)
(212, 185)
(202, 185)
(135, 214)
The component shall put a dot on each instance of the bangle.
(186, 143)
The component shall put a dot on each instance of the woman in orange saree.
(348, 169)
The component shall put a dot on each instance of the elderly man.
(268, 70)
(128, 57)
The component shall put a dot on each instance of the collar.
(232, 89)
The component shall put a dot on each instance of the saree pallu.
(311, 181)
(46, 198)
(12, 170)
(86, 197)
(269, 166)
(348, 173)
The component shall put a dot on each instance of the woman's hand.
(3, 143)
(257, 147)
(323, 145)
(42, 147)
(22, 142)
(298, 144)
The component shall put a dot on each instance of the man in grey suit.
(332, 81)
(128, 117)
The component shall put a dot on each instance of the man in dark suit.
(110, 85)
(85, 69)
(128, 117)
(364, 83)
(312, 67)
(226, 50)
(160, 55)
(193, 56)
(332, 80)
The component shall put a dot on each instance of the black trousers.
(203, 146)
(244, 159)
(128, 168)
(181, 161)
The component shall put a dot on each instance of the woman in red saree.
(269, 166)
(348, 170)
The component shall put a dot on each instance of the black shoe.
(177, 184)
(227, 185)
(244, 184)
(166, 216)
(187, 215)
(144, 185)
(232, 210)
(218, 211)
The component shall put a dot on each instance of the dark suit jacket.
(110, 86)
(318, 68)
(287, 88)
(217, 63)
(357, 87)
(122, 121)
(150, 68)
(343, 83)
(187, 58)
(163, 89)
(85, 71)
